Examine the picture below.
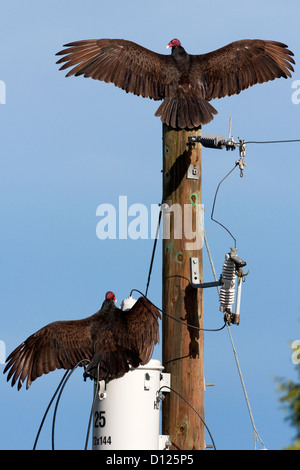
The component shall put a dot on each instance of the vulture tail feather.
(181, 112)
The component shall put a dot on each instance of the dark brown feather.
(129, 66)
(110, 341)
(185, 82)
(241, 64)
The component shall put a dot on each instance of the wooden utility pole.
(182, 346)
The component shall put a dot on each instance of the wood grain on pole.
(182, 346)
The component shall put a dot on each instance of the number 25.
(100, 419)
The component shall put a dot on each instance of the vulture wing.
(142, 320)
(239, 65)
(60, 344)
(109, 341)
(128, 65)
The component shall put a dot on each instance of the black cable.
(47, 410)
(213, 207)
(90, 418)
(236, 164)
(56, 406)
(194, 409)
(153, 251)
(59, 396)
(176, 319)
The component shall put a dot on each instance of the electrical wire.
(153, 251)
(256, 434)
(176, 319)
(91, 415)
(213, 207)
(271, 141)
(214, 203)
(60, 393)
(59, 389)
(47, 410)
(68, 374)
(193, 408)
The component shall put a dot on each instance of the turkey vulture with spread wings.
(185, 82)
(110, 341)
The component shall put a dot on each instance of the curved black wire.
(213, 207)
(176, 319)
(194, 409)
(47, 410)
(60, 393)
(60, 387)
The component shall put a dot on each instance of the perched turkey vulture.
(185, 82)
(111, 340)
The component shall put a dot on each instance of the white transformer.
(126, 413)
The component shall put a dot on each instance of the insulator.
(227, 291)
(213, 141)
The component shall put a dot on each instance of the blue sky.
(69, 145)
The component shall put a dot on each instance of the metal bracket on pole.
(232, 267)
(195, 278)
(102, 389)
(193, 172)
(214, 141)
